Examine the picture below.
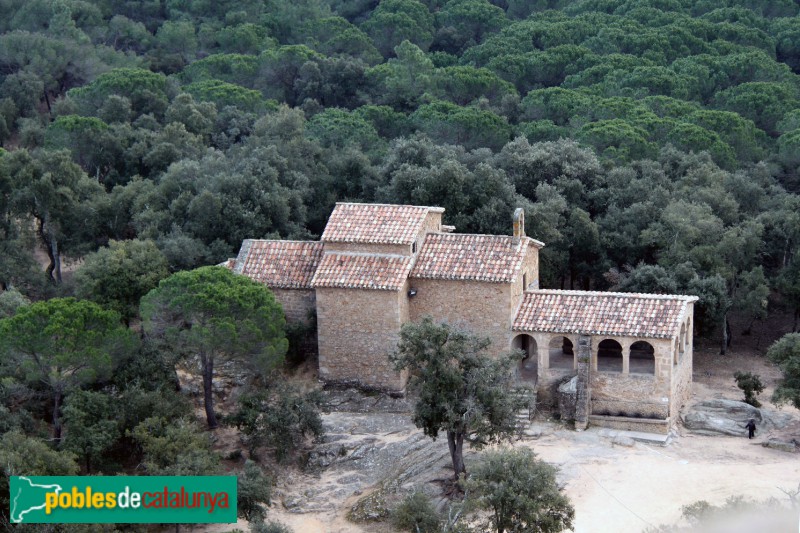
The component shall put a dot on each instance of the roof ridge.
(428, 207)
(644, 295)
(448, 234)
(345, 253)
(283, 240)
(451, 234)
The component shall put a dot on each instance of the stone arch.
(609, 356)
(682, 341)
(529, 366)
(642, 358)
(562, 353)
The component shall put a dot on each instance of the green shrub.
(416, 514)
(751, 385)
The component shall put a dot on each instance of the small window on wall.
(413, 247)
(525, 281)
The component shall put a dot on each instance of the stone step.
(655, 439)
(524, 415)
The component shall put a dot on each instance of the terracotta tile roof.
(494, 258)
(362, 271)
(375, 223)
(279, 264)
(602, 313)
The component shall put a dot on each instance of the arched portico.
(561, 353)
(529, 366)
(642, 358)
(609, 356)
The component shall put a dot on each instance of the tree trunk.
(726, 335)
(208, 398)
(56, 259)
(51, 247)
(56, 419)
(455, 441)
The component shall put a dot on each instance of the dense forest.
(654, 144)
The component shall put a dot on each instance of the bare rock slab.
(782, 445)
(728, 417)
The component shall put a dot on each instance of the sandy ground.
(617, 488)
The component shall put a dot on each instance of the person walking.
(751, 427)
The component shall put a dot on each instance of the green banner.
(122, 499)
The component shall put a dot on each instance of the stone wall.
(431, 224)
(366, 248)
(631, 424)
(483, 308)
(297, 303)
(530, 273)
(531, 265)
(357, 329)
(682, 368)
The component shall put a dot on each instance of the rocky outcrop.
(728, 417)
(782, 445)
(567, 398)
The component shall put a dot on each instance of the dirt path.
(618, 488)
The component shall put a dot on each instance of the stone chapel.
(378, 266)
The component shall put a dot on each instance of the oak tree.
(521, 493)
(459, 389)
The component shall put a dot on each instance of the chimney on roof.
(519, 223)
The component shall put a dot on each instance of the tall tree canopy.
(61, 345)
(216, 316)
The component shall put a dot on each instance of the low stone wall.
(547, 386)
(645, 425)
(627, 408)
